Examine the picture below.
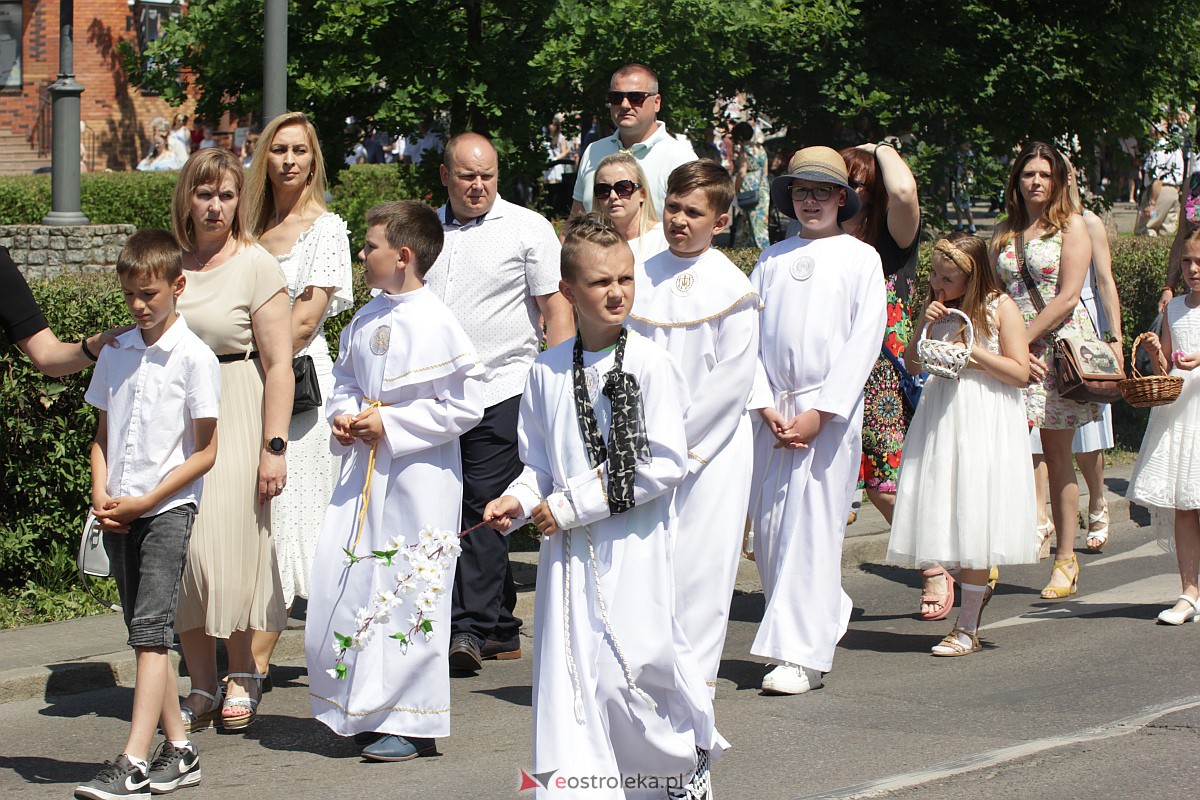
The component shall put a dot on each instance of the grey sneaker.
(174, 768)
(119, 780)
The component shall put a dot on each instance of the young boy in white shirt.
(408, 383)
(617, 695)
(157, 393)
(701, 309)
(824, 311)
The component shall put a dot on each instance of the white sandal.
(1097, 530)
(1169, 616)
(193, 721)
(248, 704)
(1045, 537)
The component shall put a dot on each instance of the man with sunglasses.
(634, 101)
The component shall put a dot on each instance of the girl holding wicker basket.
(965, 494)
(1167, 473)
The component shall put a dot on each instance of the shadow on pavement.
(516, 695)
(39, 770)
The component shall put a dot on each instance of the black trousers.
(484, 593)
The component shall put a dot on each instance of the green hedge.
(364, 185)
(143, 199)
(135, 198)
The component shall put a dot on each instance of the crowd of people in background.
(652, 427)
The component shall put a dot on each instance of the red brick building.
(117, 115)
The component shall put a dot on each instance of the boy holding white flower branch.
(407, 385)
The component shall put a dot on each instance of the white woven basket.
(945, 359)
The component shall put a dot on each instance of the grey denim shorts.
(147, 564)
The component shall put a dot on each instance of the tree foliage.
(994, 72)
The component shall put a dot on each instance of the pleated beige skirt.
(231, 580)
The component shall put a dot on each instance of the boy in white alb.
(617, 696)
(407, 385)
(824, 311)
(158, 392)
(698, 306)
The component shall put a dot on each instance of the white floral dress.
(320, 257)
(1044, 407)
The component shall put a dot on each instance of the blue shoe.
(398, 748)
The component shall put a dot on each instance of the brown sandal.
(954, 646)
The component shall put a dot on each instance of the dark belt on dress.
(228, 357)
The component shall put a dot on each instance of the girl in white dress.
(965, 493)
(1167, 472)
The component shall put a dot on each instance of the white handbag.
(92, 558)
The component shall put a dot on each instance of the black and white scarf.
(627, 442)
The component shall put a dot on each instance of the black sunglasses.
(624, 189)
(635, 98)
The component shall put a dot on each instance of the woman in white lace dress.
(286, 211)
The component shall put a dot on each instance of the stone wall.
(45, 251)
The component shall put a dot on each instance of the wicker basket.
(1144, 391)
(945, 359)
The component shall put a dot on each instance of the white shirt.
(489, 274)
(658, 155)
(1164, 163)
(152, 395)
(415, 148)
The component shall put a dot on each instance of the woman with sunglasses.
(620, 193)
(890, 221)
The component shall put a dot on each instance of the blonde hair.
(210, 165)
(1057, 212)
(969, 253)
(648, 216)
(260, 197)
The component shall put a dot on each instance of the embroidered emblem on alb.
(802, 268)
(684, 283)
(380, 339)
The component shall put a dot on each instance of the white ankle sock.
(972, 606)
(185, 744)
(140, 763)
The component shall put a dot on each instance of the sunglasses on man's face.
(635, 98)
(624, 189)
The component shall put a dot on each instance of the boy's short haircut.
(582, 234)
(707, 176)
(411, 224)
(151, 253)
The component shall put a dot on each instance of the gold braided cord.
(431, 366)
(349, 713)
(366, 492)
(947, 248)
(736, 303)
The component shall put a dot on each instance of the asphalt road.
(1087, 698)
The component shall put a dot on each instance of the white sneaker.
(791, 679)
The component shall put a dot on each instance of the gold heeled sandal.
(1060, 592)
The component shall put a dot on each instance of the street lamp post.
(64, 149)
(275, 25)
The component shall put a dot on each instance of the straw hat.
(819, 164)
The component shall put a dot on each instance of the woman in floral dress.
(750, 174)
(1057, 253)
(890, 221)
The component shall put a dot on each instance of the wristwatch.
(277, 445)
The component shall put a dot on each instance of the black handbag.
(308, 391)
(747, 199)
(910, 385)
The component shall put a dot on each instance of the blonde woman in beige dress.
(285, 210)
(236, 301)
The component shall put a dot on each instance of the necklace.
(203, 265)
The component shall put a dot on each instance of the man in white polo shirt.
(634, 101)
(498, 273)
